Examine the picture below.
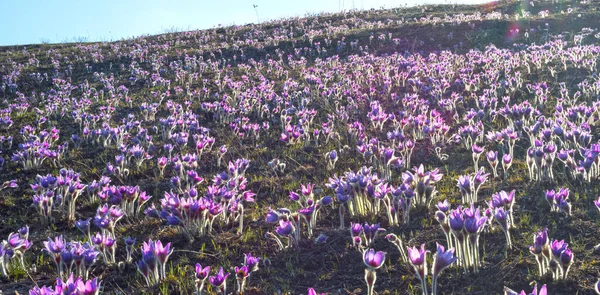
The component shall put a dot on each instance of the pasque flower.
(154, 260)
(373, 260)
(541, 250)
(543, 291)
(417, 258)
(219, 281)
(54, 248)
(72, 286)
(241, 273)
(201, 275)
(162, 253)
(285, 228)
(129, 242)
(441, 260)
(492, 157)
(502, 218)
(251, 262)
(506, 163)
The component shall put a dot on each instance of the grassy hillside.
(513, 77)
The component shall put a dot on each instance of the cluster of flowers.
(553, 256)
(559, 200)
(242, 274)
(71, 286)
(38, 146)
(463, 228)
(61, 192)
(130, 199)
(289, 223)
(72, 257)
(194, 215)
(153, 265)
(14, 247)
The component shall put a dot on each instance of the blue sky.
(36, 21)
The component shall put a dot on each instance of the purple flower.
(540, 240)
(13, 183)
(356, 229)
(373, 260)
(480, 177)
(129, 241)
(285, 228)
(24, 232)
(557, 247)
(242, 272)
(416, 255)
(251, 262)
(543, 291)
(162, 252)
(294, 196)
(477, 149)
(90, 287)
(456, 220)
(148, 255)
(143, 268)
(371, 230)
(464, 184)
(15, 241)
(54, 246)
(333, 155)
(502, 217)
(442, 259)
(307, 189)
(272, 216)
(83, 225)
(566, 257)
(326, 200)
(474, 224)
(202, 273)
(42, 291)
(443, 206)
(219, 280)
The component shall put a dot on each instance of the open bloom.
(242, 272)
(543, 291)
(219, 280)
(202, 273)
(416, 255)
(373, 260)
